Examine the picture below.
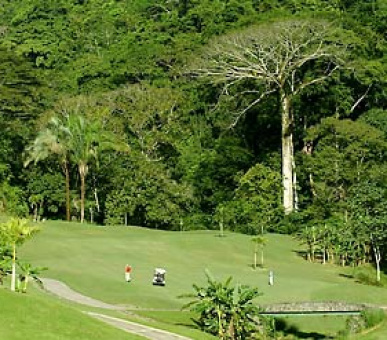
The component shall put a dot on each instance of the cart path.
(135, 328)
(63, 291)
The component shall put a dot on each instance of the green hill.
(91, 260)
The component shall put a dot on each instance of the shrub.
(226, 311)
(367, 319)
(367, 280)
(373, 317)
(12, 200)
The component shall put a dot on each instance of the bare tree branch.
(248, 107)
(360, 99)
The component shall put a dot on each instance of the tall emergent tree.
(279, 59)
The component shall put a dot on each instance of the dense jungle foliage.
(158, 144)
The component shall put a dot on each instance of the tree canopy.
(287, 123)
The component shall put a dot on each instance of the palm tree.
(54, 139)
(88, 138)
(72, 137)
(259, 241)
(16, 231)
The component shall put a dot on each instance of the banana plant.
(15, 232)
(228, 312)
(29, 273)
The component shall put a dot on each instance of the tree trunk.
(294, 181)
(262, 257)
(343, 259)
(67, 179)
(82, 175)
(221, 226)
(96, 195)
(26, 279)
(13, 276)
(378, 269)
(287, 155)
(35, 205)
(378, 258)
(255, 259)
(82, 198)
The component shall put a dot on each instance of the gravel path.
(63, 291)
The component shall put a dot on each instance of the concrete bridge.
(313, 308)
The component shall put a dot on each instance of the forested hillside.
(181, 114)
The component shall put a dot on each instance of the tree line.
(254, 115)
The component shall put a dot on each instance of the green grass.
(378, 333)
(310, 326)
(41, 317)
(91, 260)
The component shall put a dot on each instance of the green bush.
(196, 221)
(368, 318)
(367, 279)
(226, 311)
(367, 275)
(373, 317)
(12, 200)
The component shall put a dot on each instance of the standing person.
(128, 270)
(271, 278)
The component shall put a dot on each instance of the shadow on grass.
(318, 256)
(301, 253)
(187, 325)
(282, 326)
(258, 267)
(364, 279)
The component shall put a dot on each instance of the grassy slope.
(379, 333)
(40, 317)
(92, 259)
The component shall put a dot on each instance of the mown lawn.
(91, 260)
(41, 317)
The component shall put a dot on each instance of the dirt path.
(65, 292)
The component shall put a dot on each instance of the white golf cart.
(159, 277)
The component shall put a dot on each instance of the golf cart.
(159, 277)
